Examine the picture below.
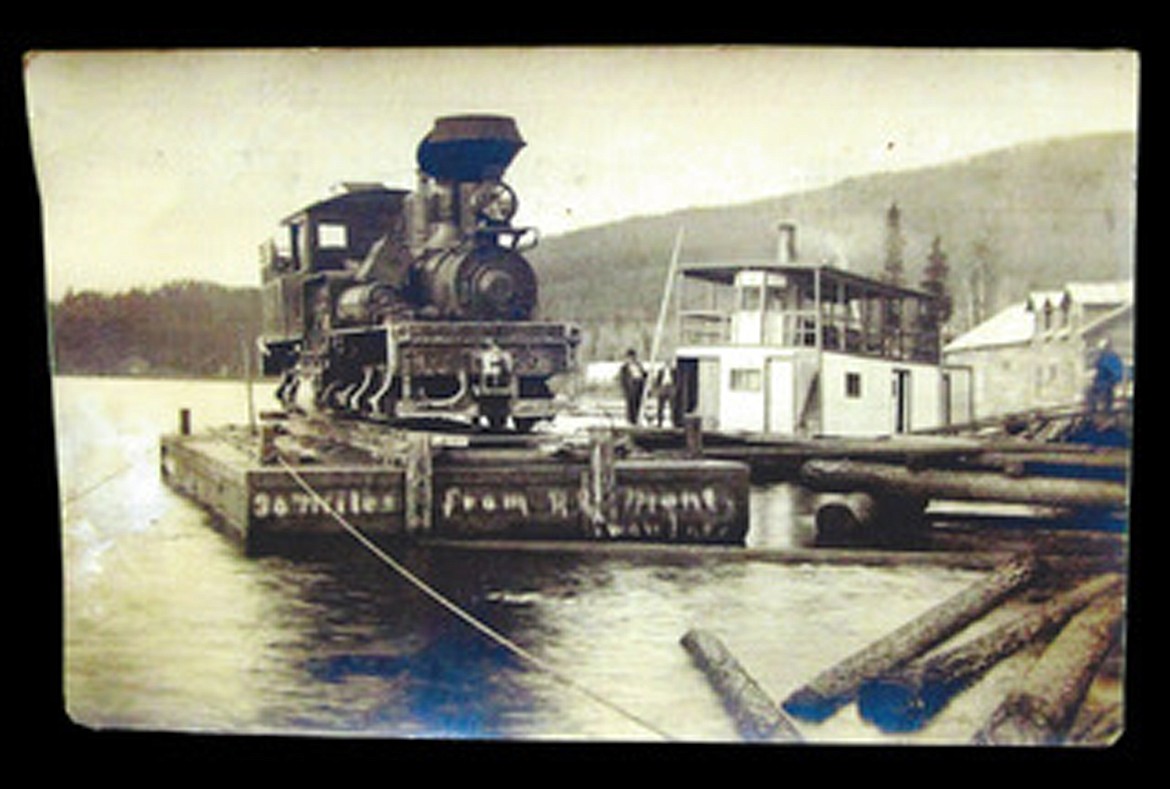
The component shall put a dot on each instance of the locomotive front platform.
(287, 482)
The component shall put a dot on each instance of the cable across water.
(462, 615)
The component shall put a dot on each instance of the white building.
(1040, 352)
(779, 347)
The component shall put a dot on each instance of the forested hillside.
(184, 328)
(1027, 217)
(1033, 216)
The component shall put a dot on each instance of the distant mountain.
(1037, 215)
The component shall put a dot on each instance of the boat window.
(749, 299)
(747, 379)
(853, 384)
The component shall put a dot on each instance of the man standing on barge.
(633, 380)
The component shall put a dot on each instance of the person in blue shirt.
(1108, 371)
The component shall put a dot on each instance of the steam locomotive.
(388, 304)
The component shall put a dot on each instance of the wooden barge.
(293, 478)
(290, 478)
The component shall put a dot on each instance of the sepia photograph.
(592, 394)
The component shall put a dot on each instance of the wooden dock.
(876, 490)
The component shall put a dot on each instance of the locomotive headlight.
(495, 202)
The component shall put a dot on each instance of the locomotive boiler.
(391, 304)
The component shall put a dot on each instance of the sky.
(154, 166)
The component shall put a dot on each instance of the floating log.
(837, 685)
(1041, 709)
(893, 480)
(756, 716)
(909, 697)
(844, 519)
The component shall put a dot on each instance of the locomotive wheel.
(382, 402)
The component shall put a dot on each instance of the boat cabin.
(780, 347)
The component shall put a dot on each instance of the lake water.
(169, 627)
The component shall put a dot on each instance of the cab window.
(332, 235)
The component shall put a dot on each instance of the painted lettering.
(516, 502)
(347, 501)
(636, 501)
(558, 503)
(458, 501)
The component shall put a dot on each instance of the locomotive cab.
(325, 235)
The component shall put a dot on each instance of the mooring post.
(602, 477)
(419, 487)
(184, 421)
(268, 450)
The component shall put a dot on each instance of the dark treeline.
(183, 328)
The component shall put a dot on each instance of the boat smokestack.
(786, 243)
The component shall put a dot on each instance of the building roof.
(1017, 323)
(352, 194)
(1090, 293)
(1098, 293)
(1010, 326)
(724, 272)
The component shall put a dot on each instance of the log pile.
(908, 698)
(1041, 710)
(839, 684)
(903, 680)
(883, 503)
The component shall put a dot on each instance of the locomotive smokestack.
(469, 147)
(786, 243)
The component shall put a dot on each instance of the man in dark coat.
(633, 381)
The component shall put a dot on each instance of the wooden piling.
(838, 685)
(419, 484)
(268, 450)
(756, 716)
(1040, 710)
(602, 476)
(693, 431)
(909, 697)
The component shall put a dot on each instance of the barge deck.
(292, 478)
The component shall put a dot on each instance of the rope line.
(85, 491)
(462, 615)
